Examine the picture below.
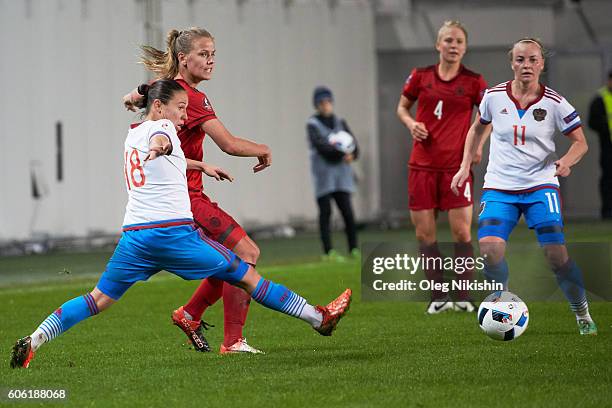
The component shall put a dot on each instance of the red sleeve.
(482, 87)
(199, 109)
(411, 87)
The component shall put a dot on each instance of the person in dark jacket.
(600, 120)
(331, 170)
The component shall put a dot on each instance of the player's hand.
(348, 158)
(458, 180)
(216, 172)
(562, 169)
(130, 100)
(419, 131)
(159, 146)
(264, 160)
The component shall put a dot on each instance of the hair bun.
(143, 89)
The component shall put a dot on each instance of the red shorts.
(430, 189)
(216, 223)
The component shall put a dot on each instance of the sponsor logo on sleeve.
(570, 117)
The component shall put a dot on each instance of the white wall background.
(71, 61)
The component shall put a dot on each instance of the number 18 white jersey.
(157, 189)
(522, 150)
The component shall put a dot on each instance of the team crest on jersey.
(539, 114)
(460, 91)
(428, 86)
(206, 104)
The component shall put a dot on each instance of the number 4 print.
(438, 110)
(515, 127)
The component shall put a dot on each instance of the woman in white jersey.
(159, 233)
(522, 175)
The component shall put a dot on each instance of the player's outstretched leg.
(277, 297)
(569, 278)
(62, 319)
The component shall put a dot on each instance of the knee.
(426, 237)
(103, 301)
(556, 255)
(462, 235)
(492, 251)
(250, 254)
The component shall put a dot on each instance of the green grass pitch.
(383, 353)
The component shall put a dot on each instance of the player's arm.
(477, 158)
(475, 135)
(417, 129)
(237, 146)
(210, 170)
(577, 150)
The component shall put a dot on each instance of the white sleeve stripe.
(571, 128)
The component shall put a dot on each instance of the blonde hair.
(451, 24)
(532, 40)
(165, 63)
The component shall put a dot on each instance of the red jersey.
(199, 110)
(445, 107)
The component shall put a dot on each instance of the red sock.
(209, 291)
(464, 250)
(433, 274)
(235, 308)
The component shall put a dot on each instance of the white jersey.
(157, 189)
(522, 151)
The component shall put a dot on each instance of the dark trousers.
(343, 201)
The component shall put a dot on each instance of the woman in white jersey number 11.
(159, 233)
(523, 170)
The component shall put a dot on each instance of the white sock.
(38, 339)
(585, 315)
(311, 315)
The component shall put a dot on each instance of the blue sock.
(66, 316)
(281, 299)
(497, 273)
(570, 281)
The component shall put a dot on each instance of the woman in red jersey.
(190, 59)
(446, 94)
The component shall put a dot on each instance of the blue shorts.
(176, 246)
(500, 211)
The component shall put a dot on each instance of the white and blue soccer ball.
(503, 316)
(342, 141)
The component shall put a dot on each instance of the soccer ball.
(342, 141)
(503, 316)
